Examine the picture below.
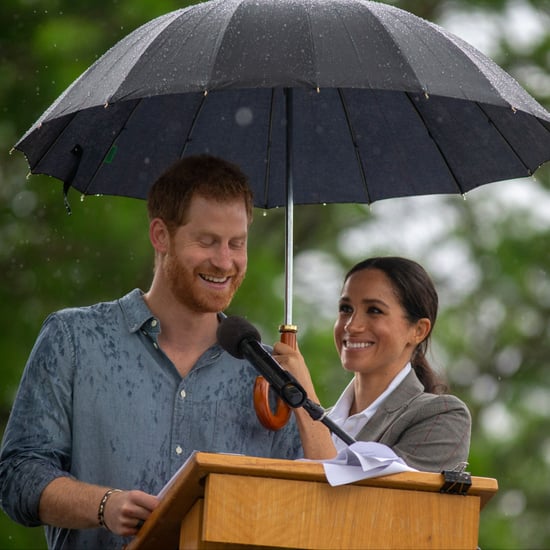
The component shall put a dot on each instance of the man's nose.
(223, 257)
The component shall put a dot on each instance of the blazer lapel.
(391, 408)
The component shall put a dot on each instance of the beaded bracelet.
(101, 509)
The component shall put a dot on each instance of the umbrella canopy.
(384, 104)
(318, 101)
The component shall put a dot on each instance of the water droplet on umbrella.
(244, 116)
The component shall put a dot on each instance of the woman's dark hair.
(416, 293)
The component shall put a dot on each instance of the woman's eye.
(344, 308)
(374, 310)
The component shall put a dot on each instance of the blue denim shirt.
(101, 402)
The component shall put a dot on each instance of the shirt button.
(154, 323)
(179, 450)
(183, 395)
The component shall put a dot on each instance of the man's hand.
(125, 511)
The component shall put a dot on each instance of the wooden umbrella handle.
(269, 419)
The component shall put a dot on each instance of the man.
(117, 395)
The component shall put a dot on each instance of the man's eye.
(206, 241)
(238, 244)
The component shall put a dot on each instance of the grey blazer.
(429, 432)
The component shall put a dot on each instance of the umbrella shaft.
(289, 211)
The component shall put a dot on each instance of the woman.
(386, 313)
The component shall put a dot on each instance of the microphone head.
(232, 331)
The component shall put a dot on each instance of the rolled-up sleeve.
(37, 441)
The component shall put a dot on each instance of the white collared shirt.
(354, 424)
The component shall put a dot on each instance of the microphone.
(241, 339)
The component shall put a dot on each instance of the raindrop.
(513, 503)
(23, 203)
(244, 116)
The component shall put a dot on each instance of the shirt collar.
(135, 310)
(340, 412)
(137, 313)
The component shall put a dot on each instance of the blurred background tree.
(487, 254)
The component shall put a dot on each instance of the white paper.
(363, 460)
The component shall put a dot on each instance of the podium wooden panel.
(233, 502)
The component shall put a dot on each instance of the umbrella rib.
(91, 180)
(269, 141)
(67, 182)
(355, 146)
(192, 125)
(434, 141)
(528, 170)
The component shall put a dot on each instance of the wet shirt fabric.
(99, 401)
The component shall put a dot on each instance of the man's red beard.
(189, 291)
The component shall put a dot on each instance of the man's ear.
(422, 329)
(159, 235)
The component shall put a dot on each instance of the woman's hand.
(316, 439)
(292, 361)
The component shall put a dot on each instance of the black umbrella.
(318, 100)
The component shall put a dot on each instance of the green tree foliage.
(488, 254)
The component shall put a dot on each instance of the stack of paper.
(362, 460)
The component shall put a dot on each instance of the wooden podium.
(223, 501)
